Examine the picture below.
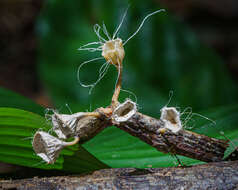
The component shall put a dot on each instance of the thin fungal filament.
(119, 26)
(142, 23)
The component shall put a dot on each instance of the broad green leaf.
(14, 100)
(225, 118)
(17, 128)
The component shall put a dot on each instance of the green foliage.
(164, 56)
(232, 147)
(16, 131)
(17, 128)
(14, 100)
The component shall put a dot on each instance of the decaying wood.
(160, 133)
(184, 142)
(219, 175)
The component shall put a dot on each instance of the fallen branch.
(165, 134)
(220, 175)
(183, 142)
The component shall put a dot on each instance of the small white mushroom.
(65, 125)
(171, 118)
(49, 147)
(124, 111)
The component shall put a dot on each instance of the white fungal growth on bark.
(49, 147)
(64, 125)
(124, 111)
(171, 118)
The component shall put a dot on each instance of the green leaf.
(226, 121)
(14, 100)
(231, 148)
(17, 128)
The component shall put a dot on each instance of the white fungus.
(64, 125)
(171, 118)
(124, 111)
(47, 147)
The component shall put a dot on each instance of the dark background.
(214, 23)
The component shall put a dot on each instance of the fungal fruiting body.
(64, 125)
(171, 118)
(123, 112)
(49, 147)
(113, 51)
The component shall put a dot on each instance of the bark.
(184, 142)
(165, 134)
(219, 175)
(148, 129)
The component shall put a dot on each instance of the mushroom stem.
(75, 141)
(117, 90)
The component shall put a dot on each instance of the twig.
(184, 142)
(159, 133)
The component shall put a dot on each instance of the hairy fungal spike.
(85, 47)
(78, 74)
(171, 93)
(105, 31)
(67, 106)
(142, 23)
(165, 134)
(119, 26)
(131, 93)
(97, 29)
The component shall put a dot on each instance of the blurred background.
(191, 49)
